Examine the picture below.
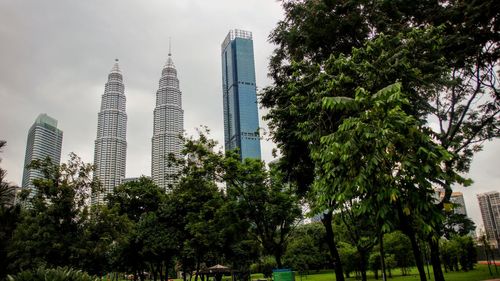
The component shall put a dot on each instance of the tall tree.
(463, 93)
(268, 201)
(51, 231)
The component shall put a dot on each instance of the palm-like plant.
(7, 191)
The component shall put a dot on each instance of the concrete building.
(44, 140)
(241, 118)
(110, 152)
(168, 126)
(489, 204)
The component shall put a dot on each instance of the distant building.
(110, 152)
(241, 118)
(168, 126)
(489, 204)
(457, 199)
(44, 140)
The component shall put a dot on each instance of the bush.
(265, 265)
(53, 274)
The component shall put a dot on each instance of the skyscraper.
(489, 204)
(241, 118)
(110, 150)
(456, 198)
(168, 126)
(44, 140)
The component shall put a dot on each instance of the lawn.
(479, 273)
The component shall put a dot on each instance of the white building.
(168, 126)
(110, 150)
(489, 204)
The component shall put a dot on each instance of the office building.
(456, 198)
(168, 126)
(241, 118)
(44, 140)
(110, 151)
(489, 204)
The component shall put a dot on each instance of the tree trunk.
(382, 255)
(417, 255)
(436, 262)
(408, 231)
(330, 240)
(277, 253)
(362, 266)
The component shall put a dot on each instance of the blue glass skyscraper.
(241, 117)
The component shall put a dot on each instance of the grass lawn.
(479, 273)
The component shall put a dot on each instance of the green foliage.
(457, 224)
(398, 246)
(52, 274)
(307, 249)
(349, 257)
(444, 54)
(266, 265)
(458, 253)
(51, 230)
(10, 215)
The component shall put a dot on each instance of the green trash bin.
(285, 274)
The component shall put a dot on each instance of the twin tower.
(241, 121)
(111, 142)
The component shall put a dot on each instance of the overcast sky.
(55, 56)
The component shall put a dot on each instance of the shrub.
(53, 274)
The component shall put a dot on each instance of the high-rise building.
(44, 140)
(110, 150)
(489, 204)
(456, 198)
(241, 117)
(168, 126)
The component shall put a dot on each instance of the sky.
(55, 56)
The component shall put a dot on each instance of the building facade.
(489, 204)
(241, 117)
(168, 126)
(44, 140)
(110, 151)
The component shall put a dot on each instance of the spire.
(116, 67)
(169, 46)
(169, 63)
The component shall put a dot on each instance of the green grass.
(478, 274)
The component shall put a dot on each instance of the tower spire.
(169, 46)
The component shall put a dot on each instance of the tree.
(307, 249)
(269, 203)
(140, 201)
(461, 75)
(398, 245)
(457, 224)
(358, 229)
(10, 215)
(102, 231)
(50, 232)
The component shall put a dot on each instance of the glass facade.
(241, 117)
(44, 140)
